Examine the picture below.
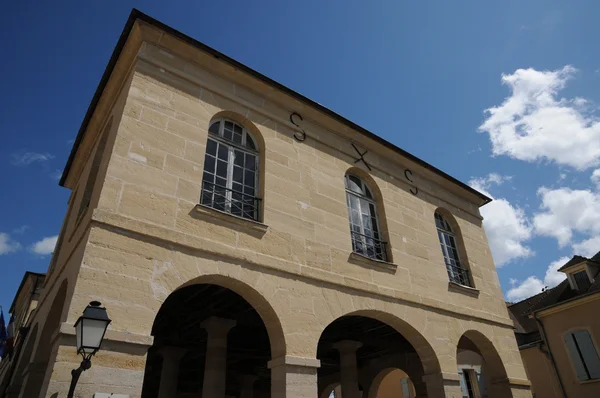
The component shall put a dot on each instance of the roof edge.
(27, 273)
(138, 15)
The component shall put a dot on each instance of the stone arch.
(260, 142)
(425, 351)
(256, 300)
(374, 187)
(497, 378)
(377, 381)
(44, 346)
(24, 357)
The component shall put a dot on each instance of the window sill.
(371, 262)
(210, 214)
(589, 381)
(457, 287)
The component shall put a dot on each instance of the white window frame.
(365, 188)
(452, 235)
(231, 148)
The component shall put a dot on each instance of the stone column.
(215, 367)
(247, 382)
(348, 367)
(443, 385)
(169, 375)
(294, 377)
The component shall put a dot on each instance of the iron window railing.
(230, 201)
(369, 246)
(459, 275)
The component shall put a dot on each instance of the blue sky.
(416, 73)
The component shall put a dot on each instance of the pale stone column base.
(294, 377)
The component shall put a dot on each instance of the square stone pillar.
(294, 377)
(169, 375)
(349, 367)
(215, 366)
(443, 385)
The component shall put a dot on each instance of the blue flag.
(3, 335)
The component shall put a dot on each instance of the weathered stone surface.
(146, 239)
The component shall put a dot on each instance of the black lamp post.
(89, 331)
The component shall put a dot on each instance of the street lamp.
(89, 331)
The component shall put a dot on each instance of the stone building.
(210, 214)
(558, 333)
(22, 310)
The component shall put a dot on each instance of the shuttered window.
(583, 355)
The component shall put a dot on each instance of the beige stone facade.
(141, 237)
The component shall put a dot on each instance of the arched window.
(456, 272)
(364, 222)
(584, 355)
(230, 180)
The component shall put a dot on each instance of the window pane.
(581, 280)
(250, 142)
(249, 178)
(221, 182)
(211, 147)
(223, 152)
(576, 358)
(238, 174)
(222, 169)
(589, 353)
(238, 158)
(208, 177)
(248, 190)
(237, 187)
(250, 163)
(214, 128)
(354, 184)
(237, 138)
(209, 164)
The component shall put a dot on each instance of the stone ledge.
(208, 213)
(123, 225)
(454, 377)
(113, 335)
(513, 382)
(457, 287)
(294, 361)
(379, 265)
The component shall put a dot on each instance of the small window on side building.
(584, 355)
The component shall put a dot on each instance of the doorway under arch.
(482, 373)
(210, 340)
(392, 383)
(354, 350)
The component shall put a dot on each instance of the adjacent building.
(249, 242)
(558, 332)
(21, 312)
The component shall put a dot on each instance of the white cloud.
(533, 285)
(587, 248)
(533, 123)
(565, 211)
(595, 178)
(27, 158)
(7, 244)
(506, 226)
(45, 246)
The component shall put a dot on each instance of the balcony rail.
(458, 275)
(230, 201)
(369, 246)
